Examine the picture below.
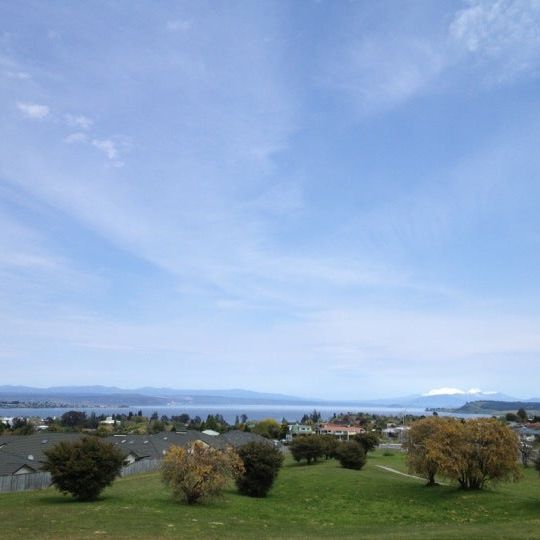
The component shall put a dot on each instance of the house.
(299, 429)
(341, 432)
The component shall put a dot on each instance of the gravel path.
(395, 471)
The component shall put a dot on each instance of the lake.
(292, 412)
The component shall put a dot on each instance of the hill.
(316, 501)
(489, 406)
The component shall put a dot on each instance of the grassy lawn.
(321, 500)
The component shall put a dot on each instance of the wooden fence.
(42, 480)
(142, 466)
(25, 482)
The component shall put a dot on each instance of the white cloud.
(19, 75)
(379, 73)
(505, 33)
(78, 137)
(79, 121)
(33, 110)
(107, 146)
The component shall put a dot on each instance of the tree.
(73, 419)
(526, 451)
(522, 415)
(268, 428)
(261, 466)
(351, 455)
(308, 447)
(84, 467)
(368, 440)
(199, 472)
(418, 445)
(475, 452)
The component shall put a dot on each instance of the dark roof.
(19, 450)
(237, 438)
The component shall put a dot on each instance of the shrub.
(368, 441)
(330, 445)
(84, 467)
(199, 472)
(308, 447)
(261, 466)
(351, 455)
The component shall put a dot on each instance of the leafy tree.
(73, 419)
(368, 440)
(526, 451)
(522, 415)
(475, 452)
(268, 428)
(156, 426)
(261, 466)
(181, 418)
(351, 455)
(21, 426)
(420, 457)
(283, 429)
(84, 467)
(511, 417)
(199, 472)
(308, 447)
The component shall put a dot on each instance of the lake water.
(252, 411)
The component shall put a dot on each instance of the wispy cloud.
(505, 33)
(77, 137)
(19, 75)
(33, 111)
(78, 121)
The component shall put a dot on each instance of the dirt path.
(395, 471)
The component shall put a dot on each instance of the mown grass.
(321, 500)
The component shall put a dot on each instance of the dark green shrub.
(308, 447)
(368, 441)
(330, 445)
(84, 467)
(351, 455)
(261, 466)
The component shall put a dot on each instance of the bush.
(261, 466)
(308, 447)
(199, 472)
(84, 467)
(330, 445)
(351, 455)
(368, 441)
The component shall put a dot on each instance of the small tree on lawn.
(368, 440)
(351, 455)
(308, 447)
(420, 456)
(199, 472)
(261, 466)
(84, 467)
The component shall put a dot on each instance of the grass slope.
(321, 500)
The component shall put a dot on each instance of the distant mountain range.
(111, 395)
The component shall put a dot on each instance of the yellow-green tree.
(420, 456)
(475, 452)
(199, 472)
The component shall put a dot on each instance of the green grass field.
(321, 500)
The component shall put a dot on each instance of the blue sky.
(333, 199)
